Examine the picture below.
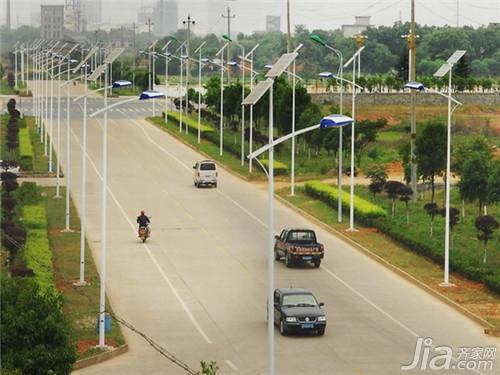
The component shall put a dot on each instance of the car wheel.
(288, 260)
(215, 185)
(317, 263)
(321, 332)
(276, 255)
(283, 329)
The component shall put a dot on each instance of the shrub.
(35, 335)
(192, 123)
(25, 150)
(27, 193)
(38, 257)
(278, 167)
(21, 272)
(34, 217)
(9, 185)
(365, 211)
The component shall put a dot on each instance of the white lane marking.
(231, 364)
(162, 273)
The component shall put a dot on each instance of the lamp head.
(317, 39)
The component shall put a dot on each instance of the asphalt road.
(198, 286)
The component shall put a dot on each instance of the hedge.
(25, 149)
(37, 254)
(462, 263)
(278, 167)
(34, 217)
(192, 123)
(364, 210)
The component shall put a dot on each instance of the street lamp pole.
(221, 123)
(102, 293)
(320, 41)
(199, 88)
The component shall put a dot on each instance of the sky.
(314, 14)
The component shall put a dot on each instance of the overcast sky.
(324, 14)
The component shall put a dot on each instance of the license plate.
(306, 258)
(308, 325)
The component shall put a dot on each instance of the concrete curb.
(101, 357)
(488, 328)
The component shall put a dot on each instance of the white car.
(205, 173)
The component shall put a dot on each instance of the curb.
(488, 328)
(101, 357)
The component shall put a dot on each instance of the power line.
(164, 352)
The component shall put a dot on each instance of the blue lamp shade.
(268, 66)
(150, 94)
(326, 75)
(415, 86)
(121, 83)
(334, 121)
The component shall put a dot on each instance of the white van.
(205, 173)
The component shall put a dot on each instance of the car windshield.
(207, 167)
(299, 300)
(305, 236)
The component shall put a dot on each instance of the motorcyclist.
(143, 220)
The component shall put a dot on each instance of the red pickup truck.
(298, 245)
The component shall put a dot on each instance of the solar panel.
(113, 55)
(457, 55)
(89, 55)
(442, 70)
(280, 65)
(153, 44)
(258, 91)
(100, 69)
(353, 57)
(71, 50)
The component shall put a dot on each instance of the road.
(198, 286)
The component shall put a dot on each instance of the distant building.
(52, 21)
(121, 37)
(165, 17)
(273, 23)
(35, 19)
(361, 24)
(92, 10)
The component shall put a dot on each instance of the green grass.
(81, 305)
(40, 161)
(473, 296)
(5, 89)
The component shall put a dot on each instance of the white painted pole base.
(352, 230)
(81, 283)
(446, 285)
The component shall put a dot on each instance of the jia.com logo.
(430, 357)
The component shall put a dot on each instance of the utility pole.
(149, 23)
(189, 22)
(413, 97)
(134, 53)
(289, 46)
(228, 16)
(8, 15)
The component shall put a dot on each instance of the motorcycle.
(143, 233)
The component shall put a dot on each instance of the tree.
(392, 189)
(432, 210)
(366, 133)
(378, 176)
(486, 225)
(11, 80)
(430, 152)
(34, 333)
(405, 192)
(473, 182)
(494, 183)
